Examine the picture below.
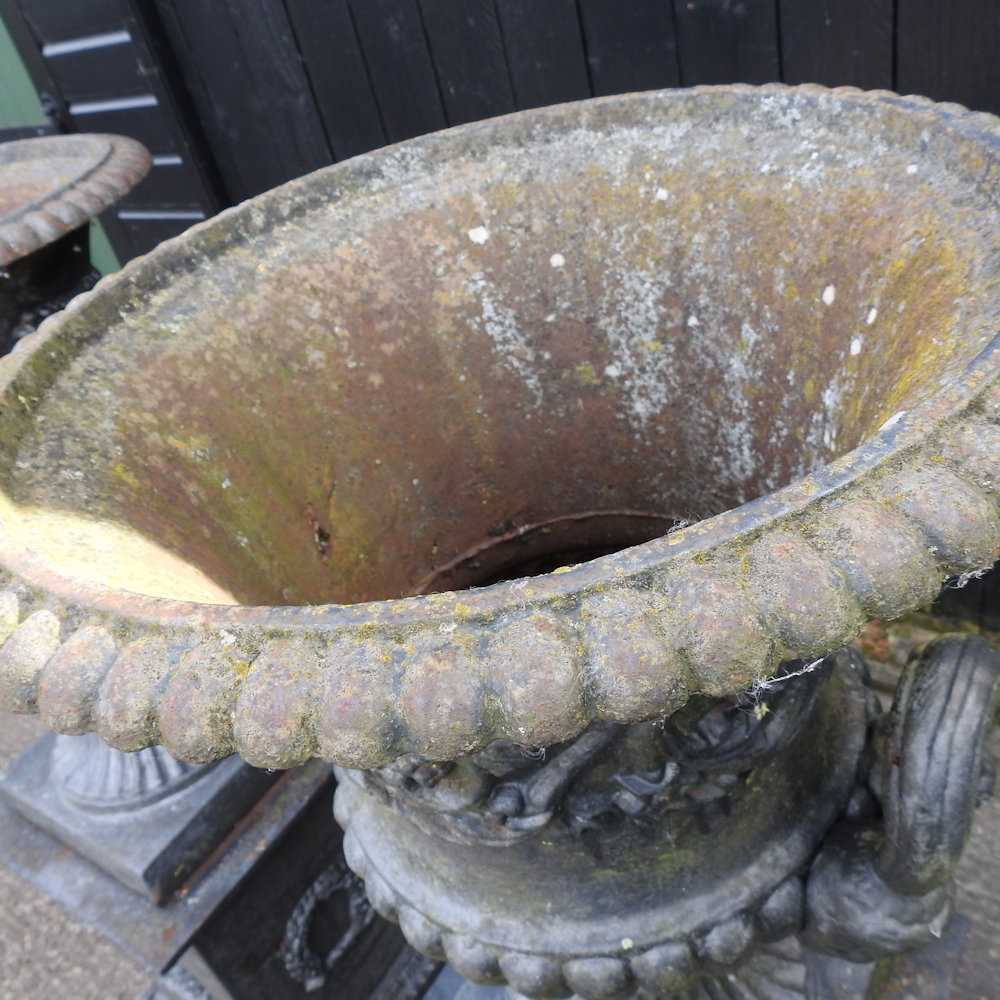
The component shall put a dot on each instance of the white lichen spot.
(661, 194)
(821, 434)
(911, 168)
(692, 321)
(872, 315)
(479, 235)
(856, 345)
(893, 420)
(631, 318)
(512, 343)
(737, 431)
(832, 409)
(557, 260)
(829, 294)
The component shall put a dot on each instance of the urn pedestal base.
(789, 845)
(928, 974)
(637, 861)
(145, 818)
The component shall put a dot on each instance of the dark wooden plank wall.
(838, 41)
(393, 39)
(276, 88)
(378, 71)
(950, 51)
(629, 46)
(720, 41)
(241, 62)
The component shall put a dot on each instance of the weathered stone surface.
(632, 665)
(22, 659)
(71, 680)
(496, 352)
(276, 709)
(126, 711)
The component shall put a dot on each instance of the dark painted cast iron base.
(784, 845)
(928, 974)
(146, 818)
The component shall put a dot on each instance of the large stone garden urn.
(536, 474)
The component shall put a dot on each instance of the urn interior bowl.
(682, 385)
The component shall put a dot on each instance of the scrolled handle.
(880, 888)
(932, 761)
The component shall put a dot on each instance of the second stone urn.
(536, 474)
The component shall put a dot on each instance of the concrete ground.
(46, 955)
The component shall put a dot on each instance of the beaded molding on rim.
(665, 967)
(282, 686)
(361, 700)
(125, 162)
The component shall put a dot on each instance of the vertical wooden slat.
(630, 45)
(950, 51)
(335, 64)
(727, 41)
(252, 96)
(467, 49)
(392, 37)
(545, 54)
(837, 42)
(58, 20)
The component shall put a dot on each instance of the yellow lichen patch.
(241, 668)
(97, 552)
(120, 472)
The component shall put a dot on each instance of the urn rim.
(362, 684)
